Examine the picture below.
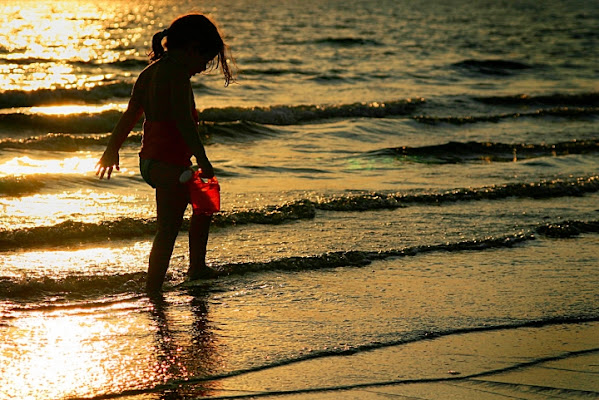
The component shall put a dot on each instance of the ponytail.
(157, 49)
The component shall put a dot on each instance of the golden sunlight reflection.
(60, 264)
(48, 32)
(41, 41)
(130, 344)
(76, 109)
(74, 354)
(86, 205)
(25, 165)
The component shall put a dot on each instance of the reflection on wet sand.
(184, 352)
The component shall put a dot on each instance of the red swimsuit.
(162, 141)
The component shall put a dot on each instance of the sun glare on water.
(76, 359)
(75, 109)
(44, 43)
(25, 165)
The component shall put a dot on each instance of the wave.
(492, 67)
(276, 71)
(126, 63)
(75, 286)
(236, 130)
(94, 285)
(126, 228)
(245, 118)
(534, 190)
(329, 77)
(347, 41)
(363, 258)
(75, 231)
(62, 142)
(64, 123)
(562, 112)
(69, 142)
(568, 229)
(40, 97)
(97, 94)
(459, 152)
(289, 115)
(22, 185)
(555, 99)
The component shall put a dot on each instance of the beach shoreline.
(556, 361)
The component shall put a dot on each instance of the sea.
(390, 171)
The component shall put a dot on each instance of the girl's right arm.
(110, 158)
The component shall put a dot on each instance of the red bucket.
(204, 194)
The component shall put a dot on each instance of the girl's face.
(198, 61)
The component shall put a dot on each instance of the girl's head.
(196, 33)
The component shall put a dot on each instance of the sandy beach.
(558, 361)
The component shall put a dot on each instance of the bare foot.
(204, 273)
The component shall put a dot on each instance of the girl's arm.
(182, 101)
(110, 158)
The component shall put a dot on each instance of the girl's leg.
(171, 202)
(199, 229)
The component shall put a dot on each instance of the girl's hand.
(109, 161)
(206, 168)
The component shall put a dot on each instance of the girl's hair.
(201, 33)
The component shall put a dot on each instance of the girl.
(163, 94)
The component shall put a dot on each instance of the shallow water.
(387, 169)
(268, 319)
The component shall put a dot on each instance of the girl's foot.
(203, 273)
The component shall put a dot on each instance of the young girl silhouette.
(163, 94)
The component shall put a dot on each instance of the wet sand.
(547, 362)
(519, 337)
(560, 361)
(494, 324)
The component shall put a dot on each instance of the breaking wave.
(102, 122)
(98, 93)
(69, 142)
(126, 228)
(492, 67)
(534, 190)
(289, 115)
(70, 123)
(346, 42)
(62, 142)
(561, 112)
(459, 152)
(21, 185)
(74, 285)
(555, 99)
(93, 285)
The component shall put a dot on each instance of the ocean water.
(390, 170)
